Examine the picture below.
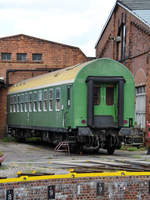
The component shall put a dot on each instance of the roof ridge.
(37, 38)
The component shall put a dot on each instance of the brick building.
(23, 56)
(126, 38)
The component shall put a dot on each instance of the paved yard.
(26, 157)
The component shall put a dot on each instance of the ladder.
(63, 147)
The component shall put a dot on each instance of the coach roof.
(58, 77)
(97, 67)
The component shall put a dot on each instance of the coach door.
(105, 104)
(105, 101)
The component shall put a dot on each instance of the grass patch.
(4, 167)
(33, 139)
(132, 148)
(9, 139)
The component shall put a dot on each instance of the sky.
(72, 22)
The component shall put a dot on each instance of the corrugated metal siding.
(144, 14)
(141, 8)
(136, 4)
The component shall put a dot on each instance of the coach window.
(18, 103)
(51, 100)
(57, 99)
(30, 102)
(11, 104)
(40, 101)
(110, 95)
(45, 101)
(68, 95)
(35, 101)
(15, 103)
(22, 103)
(96, 94)
(26, 103)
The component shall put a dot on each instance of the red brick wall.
(86, 188)
(137, 40)
(137, 46)
(54, 55)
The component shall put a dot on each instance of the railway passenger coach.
(85, 105)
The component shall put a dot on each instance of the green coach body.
(83, 100)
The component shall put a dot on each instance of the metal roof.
(141, 8)
(144, 14)
(136, 4)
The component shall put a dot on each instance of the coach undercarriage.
(105, 139)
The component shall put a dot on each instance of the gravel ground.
(26, 157)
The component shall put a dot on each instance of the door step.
(63, 147)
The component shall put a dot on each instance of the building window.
(45, 101)
(21, 56)
(51, 100)
(57, 99)
(6, 56)
(140, 90)
(121, 38)
(123, 47)
(37, 57)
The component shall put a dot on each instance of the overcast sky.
(73, 22)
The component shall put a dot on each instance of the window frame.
(40, 105)
(45, 100)
(69, 95)
(97, 96)
(7, 55)
(18, 105)
(58, 98)
(20, 57)
(22, 103)
(108, 97)
(37, 54)
(35, 106)
(30, 102)
(51, 99)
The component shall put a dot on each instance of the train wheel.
(111, 145)
(110, 150)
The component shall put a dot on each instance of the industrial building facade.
(23, 56)
(126, 38)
